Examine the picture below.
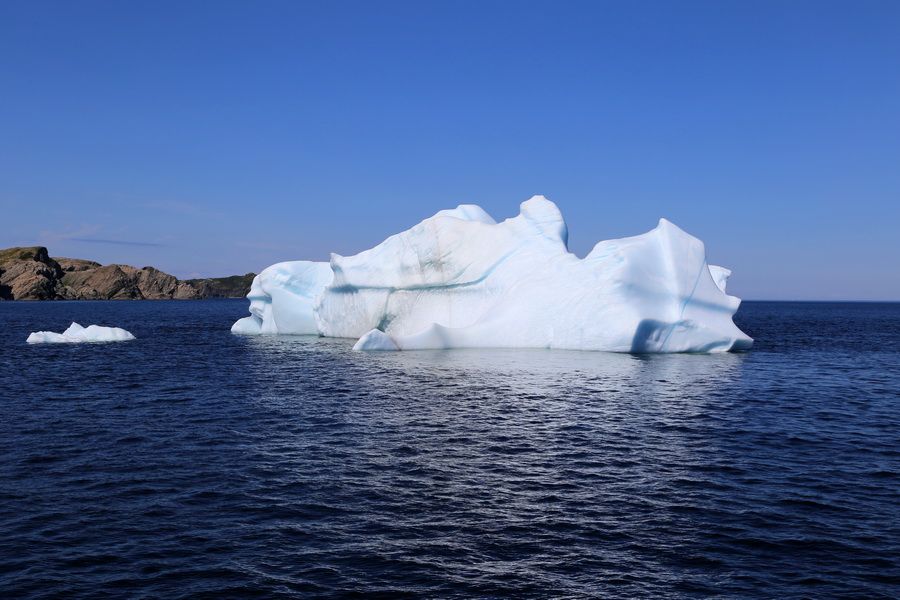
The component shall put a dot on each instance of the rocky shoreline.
(32, 274)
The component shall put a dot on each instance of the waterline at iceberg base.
(459, 279)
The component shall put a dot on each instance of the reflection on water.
(521, 367)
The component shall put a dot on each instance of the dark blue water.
(193, 463)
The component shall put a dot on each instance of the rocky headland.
(32, 274)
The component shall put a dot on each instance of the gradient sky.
(212, 138)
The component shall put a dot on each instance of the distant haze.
(216, 138)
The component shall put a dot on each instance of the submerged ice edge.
(461, 280)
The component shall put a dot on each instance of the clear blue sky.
(220, 137)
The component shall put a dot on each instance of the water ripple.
(193, 463)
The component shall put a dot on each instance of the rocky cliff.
(31, 274)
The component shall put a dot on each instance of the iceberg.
(77, 333)
(459, 279)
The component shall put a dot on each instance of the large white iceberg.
(77, 333)
(461, 280)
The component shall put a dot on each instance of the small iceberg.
(77, 333)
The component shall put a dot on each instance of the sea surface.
(196, 463)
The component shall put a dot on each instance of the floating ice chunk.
(375, 340)
(460, 279)
(77, 333)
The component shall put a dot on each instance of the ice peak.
(467, 212)
(546, 217)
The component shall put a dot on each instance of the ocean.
(196, 463)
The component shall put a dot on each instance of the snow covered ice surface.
(77, 333)
(461, 280)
